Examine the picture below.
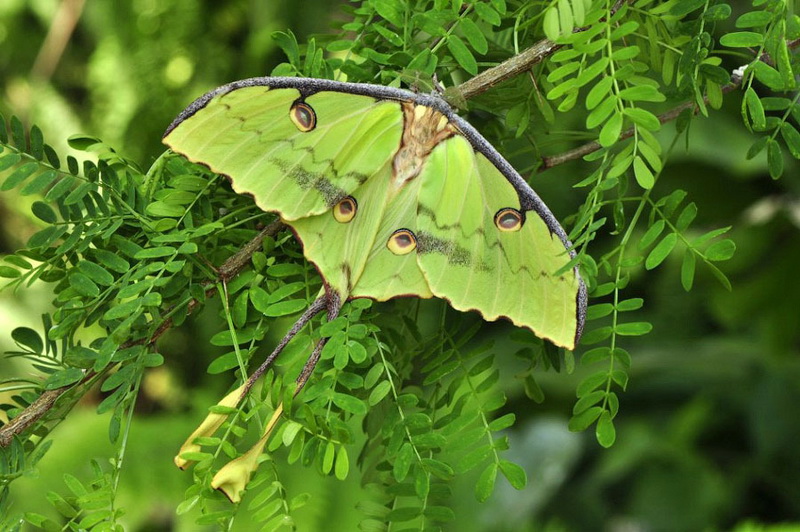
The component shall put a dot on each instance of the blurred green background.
(708, 429)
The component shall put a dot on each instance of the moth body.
(423, 129)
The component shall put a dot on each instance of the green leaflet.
(303, 148)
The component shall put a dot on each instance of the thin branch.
(334, 304)
(500, 73)
(435, 44)
(672, 114)
(58, 36)
(593, 146)
(522, 62)
(46, 401)
(30, 415)
(237, 262)
(227, 271)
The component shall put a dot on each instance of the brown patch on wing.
(423, 128)
(348, 276)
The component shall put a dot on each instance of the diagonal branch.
(57, 39)
(511, 67)
(668, 116)
(590, 147)
(47, 400)
(315, 308)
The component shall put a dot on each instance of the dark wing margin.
(529, 200)
(307, 87)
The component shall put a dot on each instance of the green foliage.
(85, 507)
(409, 398)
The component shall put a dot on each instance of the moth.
(391, 194)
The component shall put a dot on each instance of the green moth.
(392, 194)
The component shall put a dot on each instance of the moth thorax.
(423, 128)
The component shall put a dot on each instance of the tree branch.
(593, 146)
(58, 36)
(47, 400)
(672, 114)
(515, 65)
(498, 74)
